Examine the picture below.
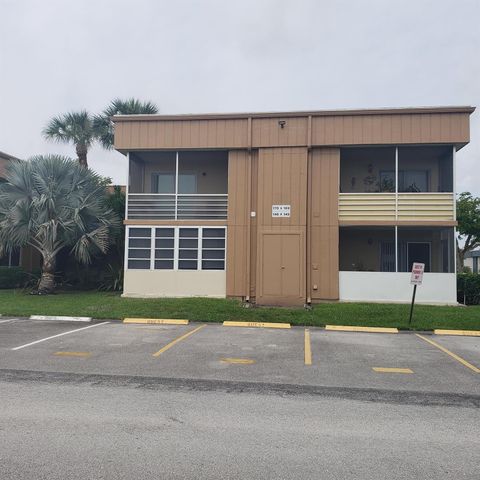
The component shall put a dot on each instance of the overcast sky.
(226, 56)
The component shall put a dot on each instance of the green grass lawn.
(113, 306)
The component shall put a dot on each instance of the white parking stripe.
(59, 335)
(6, 321)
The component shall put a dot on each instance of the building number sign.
(280, 210)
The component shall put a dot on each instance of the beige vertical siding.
(324, 223)
(324, 129)
(237, 232)
(282, 179)
(267, 132)
(254, 225)
(390, 129)
(222, 133)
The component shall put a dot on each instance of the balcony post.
(176, 185)
(396, 183)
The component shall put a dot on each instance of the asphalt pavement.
(111, 400)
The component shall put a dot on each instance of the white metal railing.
(165, 206)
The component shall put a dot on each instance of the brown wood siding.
(325, 168)
(281, 266)
(282, 179)
(138, 135)
(267, 132)
(253, 225)
(326, 130)
(391, 129)
(238, 216)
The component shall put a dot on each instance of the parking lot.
(296, 356)
(114, 400)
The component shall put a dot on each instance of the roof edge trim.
(306, 113)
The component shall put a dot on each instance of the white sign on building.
(280, 210)
(417, 273)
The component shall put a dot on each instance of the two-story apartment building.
(292, 208)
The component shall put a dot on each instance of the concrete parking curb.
(347, 328)
(60, 318)
(464, 333)
(256, 324)
(156, 321)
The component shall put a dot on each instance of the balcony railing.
(160, 206)
(429, 206)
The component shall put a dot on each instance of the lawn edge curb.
(60, 318)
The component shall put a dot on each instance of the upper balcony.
(187, 185)
(397, 184)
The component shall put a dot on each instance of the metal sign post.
(415, 280)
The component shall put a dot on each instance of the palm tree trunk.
(47, 280)
(82, 154)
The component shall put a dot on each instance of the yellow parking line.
(448, 352)
(392, 370)
(156, 321)
(239, 361)
(72, 354)
(466, 333)
(308, 348)
(256, 324)
(347, 328)
(179, 339)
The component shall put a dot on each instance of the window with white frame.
(176, 248)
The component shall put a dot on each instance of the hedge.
(12, 277)
(468, 288)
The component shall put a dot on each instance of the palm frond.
(51, 202)
(72, 127)
(103, 125)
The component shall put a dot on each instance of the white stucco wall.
(437, 288)
(171, 283)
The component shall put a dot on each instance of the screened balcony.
(190, 185)
(396, 183)
(395, 249)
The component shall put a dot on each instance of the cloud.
(213, 55)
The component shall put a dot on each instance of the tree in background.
(468, 217)
(73, 127)
(52, 203)
(103, 124)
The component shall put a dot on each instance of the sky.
(233, 56)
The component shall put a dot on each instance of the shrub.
(12, 277)
(468, 288)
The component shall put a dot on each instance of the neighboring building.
(27, 258)
(472, 260)
(292, 208)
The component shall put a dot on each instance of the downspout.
(308, 227)
(249, 208)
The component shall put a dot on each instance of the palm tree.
(103, 124)
(51, 203)
(73, 127)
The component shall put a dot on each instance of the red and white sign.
(417, 273)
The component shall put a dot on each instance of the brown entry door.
(281, 270)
